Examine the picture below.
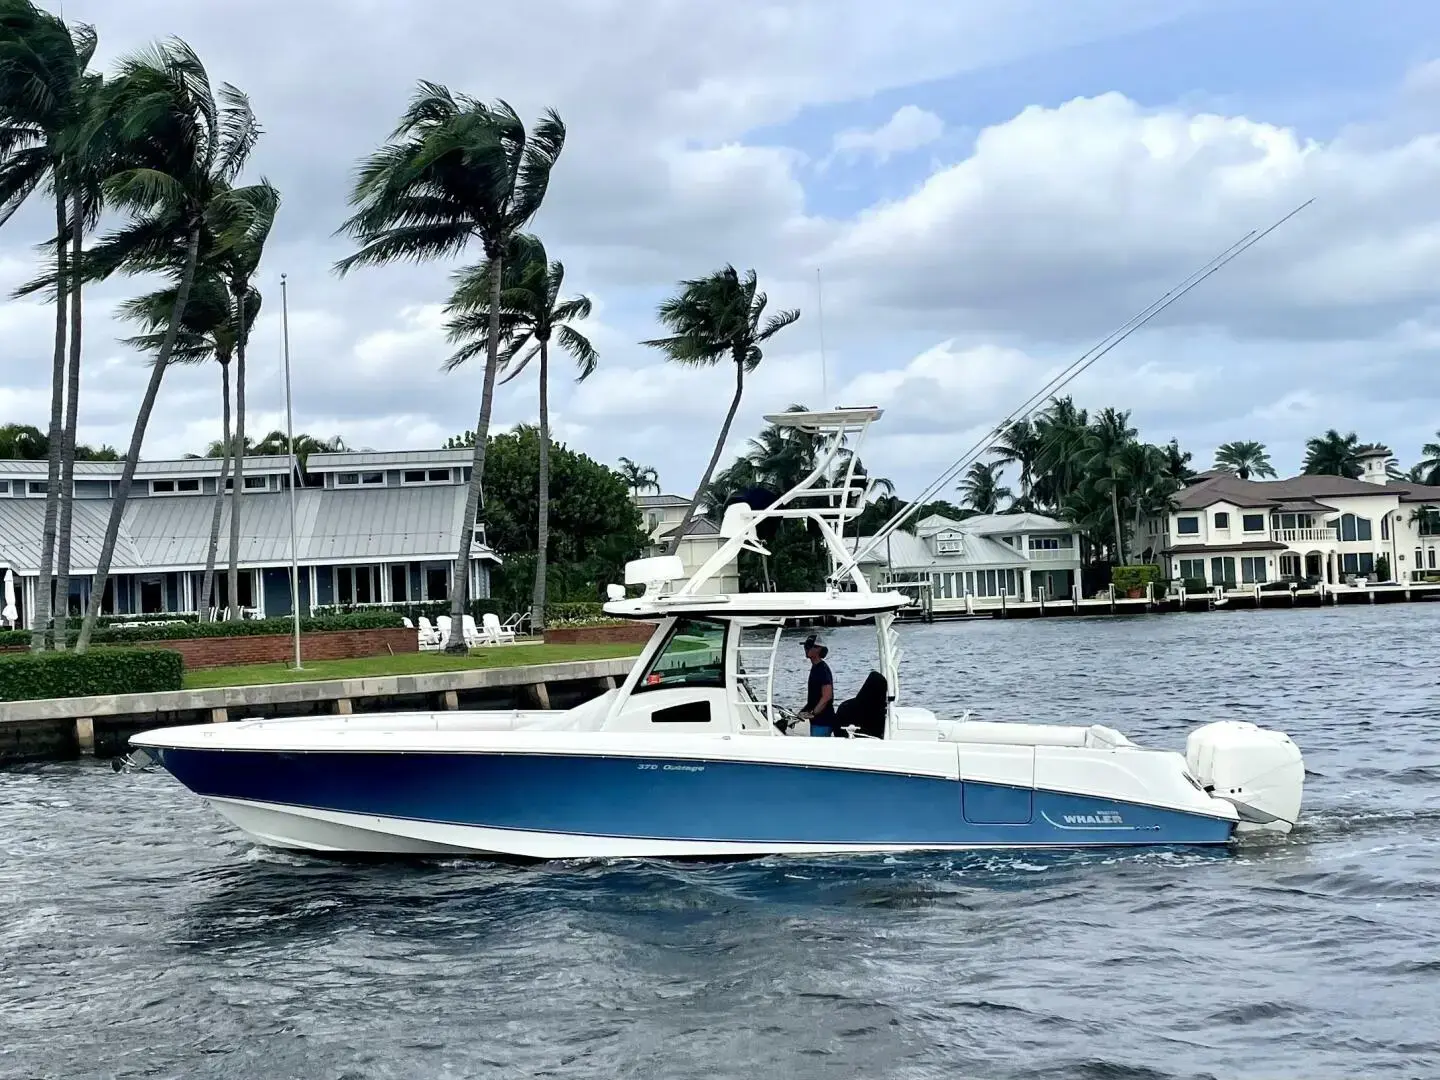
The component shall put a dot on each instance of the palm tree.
(639, 478)
(1177, 462)
(1105, 445)
(455, 169)
(1429, 466)
(237, 264)
(981, 490)
(531, 313)
(208, 331)
(712, 319)
(46, 99)
(181, 152)
(1333, 454)
(278, 443)
(1019, 444)
(1059, 453)
(1245, 459)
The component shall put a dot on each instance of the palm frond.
(578, 346)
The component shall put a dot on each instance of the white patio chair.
(494, 632)
(429, 636)
(443, 623)
(472, 634)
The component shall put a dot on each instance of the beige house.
(1225, 530)
(662, 515)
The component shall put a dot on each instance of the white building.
(985, 556)
(370, 528)
(662, 515)
(1306, 528)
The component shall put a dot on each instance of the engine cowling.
(1260, 771)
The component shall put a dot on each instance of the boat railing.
(754, 688)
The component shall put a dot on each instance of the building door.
(152, 595)
(1290, 565)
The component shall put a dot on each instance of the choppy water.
(140, 937)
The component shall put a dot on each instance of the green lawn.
(403, 664)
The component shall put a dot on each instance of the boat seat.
(866, 710)
(1094, 736)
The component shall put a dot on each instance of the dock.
(1153, 601)
(61, 728)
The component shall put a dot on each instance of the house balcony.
(1052, 554)
(1302, 536)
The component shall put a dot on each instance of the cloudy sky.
(986, 189)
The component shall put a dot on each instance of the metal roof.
(173, 532)
(370, 459)
(254, 464)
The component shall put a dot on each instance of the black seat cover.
(866, 710)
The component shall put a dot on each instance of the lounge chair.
(496, 634)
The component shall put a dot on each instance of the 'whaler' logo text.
(1103, 817)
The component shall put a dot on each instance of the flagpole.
(294, 472)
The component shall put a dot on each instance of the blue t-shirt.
(820, 678)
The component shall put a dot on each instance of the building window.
(1252, 570)
(1222, 520)
(175, 487)
(1420, 559)
(1222, 571)
(4, 487)
(425, 476)
(1385, 527)
(1354, 528)
(1431, 563)
(38, 487)
(252, 483)
(1188, 526)
(1048, 543)
(162, 487)
(693, 656)
(357, 585)
(948, 547)
(399, 582)
(1253, 522)
(1192, 569)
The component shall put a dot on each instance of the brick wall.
(626, 633)
(278, 648)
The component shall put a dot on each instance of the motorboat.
(692, 756)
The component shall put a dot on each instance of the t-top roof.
(826, 419)
(792, 604)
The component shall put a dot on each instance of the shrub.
(1125, 578)
(1382, 568)
(359, 620)
(27, 677)
(1195, 584)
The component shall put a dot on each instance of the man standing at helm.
(820, 705)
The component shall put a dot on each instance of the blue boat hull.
(629, 805)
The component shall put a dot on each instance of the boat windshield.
(693, 655)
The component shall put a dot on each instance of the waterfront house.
(369, 528)
(1020, 556)
(1332, 529)
(661, 516)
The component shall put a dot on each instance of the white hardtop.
(796, 605)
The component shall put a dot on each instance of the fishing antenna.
(1094, 353)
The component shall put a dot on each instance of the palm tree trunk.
(1115, 509)
(460, 586)
(232, 578)
(684, 525)
(41, 618)
(207, 587)
(542, 528)
(137, 439)
(67, 438)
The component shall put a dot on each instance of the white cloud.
(910, 128)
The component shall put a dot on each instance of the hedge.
(1125, 578)
(27, 677)
(112, 634)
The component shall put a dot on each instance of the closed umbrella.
(11, 612)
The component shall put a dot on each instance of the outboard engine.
(1258, 770)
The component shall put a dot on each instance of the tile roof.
(1221, 549)
(1270, 493)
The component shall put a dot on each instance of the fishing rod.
(1066, 375)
